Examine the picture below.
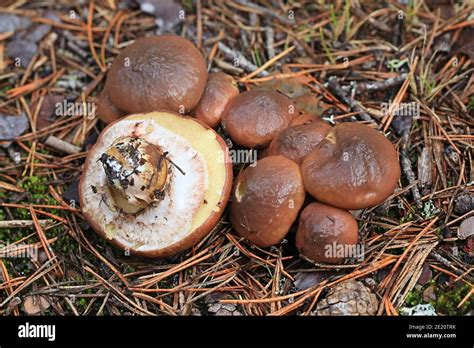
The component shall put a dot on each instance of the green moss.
(414, 298)
(34, 184)
(470, 106)
(408, 217)
(447, 299)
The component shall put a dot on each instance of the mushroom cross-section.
(156, 183)
(165, 72)
(354, 167)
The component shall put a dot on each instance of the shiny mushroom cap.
(266, 200)
(324, 231)
(164, 72)
(254, 118)
(354, 167)
(220, 89)
(298, 141)
(155, 184)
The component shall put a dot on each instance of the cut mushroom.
(156, 184)
(298, 141)
(154, 73)
(220, 89)
(354, 167)
(254, 118)
(266, 200)
(326, 234)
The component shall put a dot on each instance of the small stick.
(265, 11)
(374, 86)
(24, 223)
(165, 155)
(62, 145)
(90, 38)
(199, 24)
(269, 35)
(242, 61)
(408, 171)
(336, 88)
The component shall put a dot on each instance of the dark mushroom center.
(137, 173)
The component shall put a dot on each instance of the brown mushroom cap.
(189, 205)
(298, 141)
(322, 232)
(254, 118)
(354, 167)
(266, 200)
(106, 110)
(157, 73)
(220, 89)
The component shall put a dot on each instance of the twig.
(335, 87)
(239, 59)
(375, 86)
(62, 145)
(25, 223)
(269, 35)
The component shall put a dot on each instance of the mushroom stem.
(137, 173)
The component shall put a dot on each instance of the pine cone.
(348, 298)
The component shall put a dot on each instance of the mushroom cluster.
(346, 167)
(157, 181)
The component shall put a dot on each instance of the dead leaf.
(429, 294)
(446, 7)
(465, 42)
(295, 88)
(35, 304)
(11, 22)
(21, 50)
(306, 280)
(24, 44)
(167, 13)
(466, 229)
(46, 113)
(426, 274)
(12, 127)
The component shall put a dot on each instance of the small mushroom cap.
(220, 89)
(322, 232)
(254, 118)
(106, 110)
(199, 182)
(164, 72)
(266, 200)
(298, 141)
(354, 167)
